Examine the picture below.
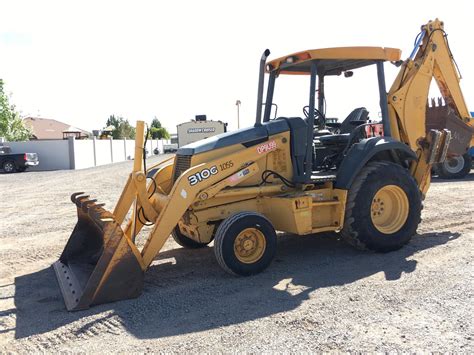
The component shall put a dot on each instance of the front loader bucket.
(99, 263)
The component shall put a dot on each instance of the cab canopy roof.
(332, 61)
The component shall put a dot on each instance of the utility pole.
(237, 103)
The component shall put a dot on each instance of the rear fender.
(361, 153)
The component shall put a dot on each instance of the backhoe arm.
(408, 96)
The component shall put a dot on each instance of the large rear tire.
(184, 241)
(245, 243)
(383, 208)
(455, 167)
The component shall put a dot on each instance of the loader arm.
(165, 205)
(101, 262)
(408, 96)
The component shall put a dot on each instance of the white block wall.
(83, 154)
(118, 151)
(53, 154)
(80, 154)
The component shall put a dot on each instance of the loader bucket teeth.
(86, 204)
(98, 264)
(75, 195)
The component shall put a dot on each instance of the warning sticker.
(239, 175)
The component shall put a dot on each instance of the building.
(49, 129)
(200, 128)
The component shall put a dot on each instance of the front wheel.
(245, 243)
(383, 208)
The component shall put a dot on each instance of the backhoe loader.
(288, 174)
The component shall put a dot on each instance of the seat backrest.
(357, 117)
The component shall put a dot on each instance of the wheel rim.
(249, 245)
(389, 209)
(454, 165)
(8, 167)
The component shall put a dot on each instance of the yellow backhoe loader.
(289, 174)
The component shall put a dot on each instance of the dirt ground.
(318, 295)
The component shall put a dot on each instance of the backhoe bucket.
(98, 264)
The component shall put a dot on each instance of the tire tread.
(223, 230)
(348, 233)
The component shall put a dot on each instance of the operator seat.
(357, 117)
(328, 149)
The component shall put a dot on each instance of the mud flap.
(99, 263)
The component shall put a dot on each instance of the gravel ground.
(318, 295)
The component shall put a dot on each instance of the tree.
(113, 121)
(155, 123)
(123, 128)
(157, 131)
(12, 127)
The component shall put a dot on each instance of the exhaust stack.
(261, 79)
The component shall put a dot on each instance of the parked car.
(170, 148)
(10, 162)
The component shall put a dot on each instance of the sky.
(81, 61)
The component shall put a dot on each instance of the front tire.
(455, 168)
(383, 208)
(245, 243)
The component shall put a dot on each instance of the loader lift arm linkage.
(118, 273)
(239, 187)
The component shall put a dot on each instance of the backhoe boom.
(408, 96)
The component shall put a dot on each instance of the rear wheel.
(184, 241)
(455, 167)
(245, 243)
(383, 208)
(9, 166)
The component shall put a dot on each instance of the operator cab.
(326, 142)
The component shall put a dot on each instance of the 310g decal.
(202, 175)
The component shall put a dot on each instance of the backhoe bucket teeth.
(98, 264)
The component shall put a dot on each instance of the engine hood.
(241, 136)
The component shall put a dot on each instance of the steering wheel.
(317, 115)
